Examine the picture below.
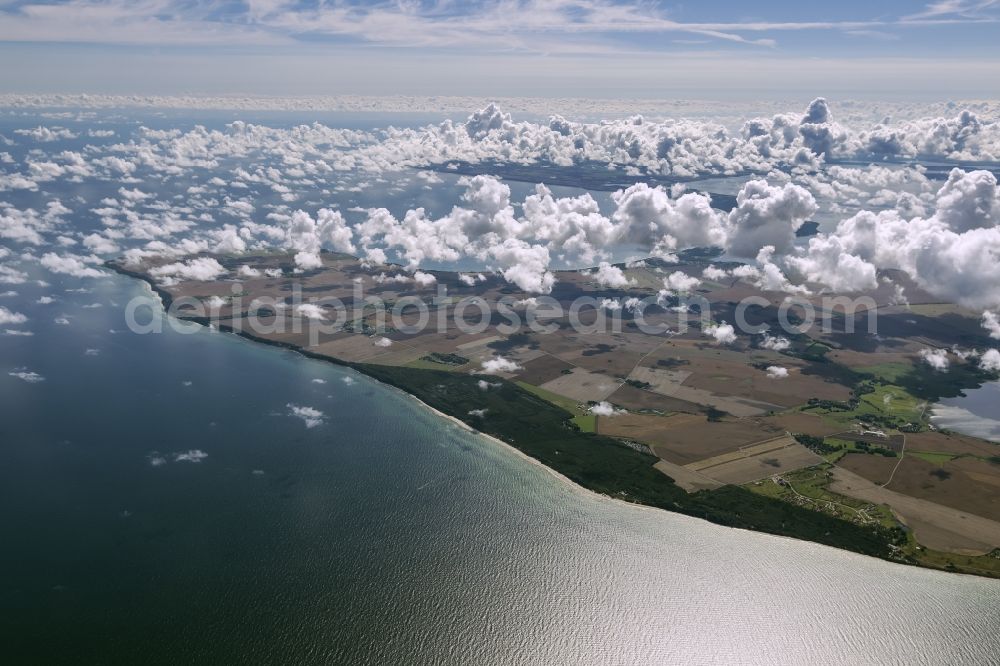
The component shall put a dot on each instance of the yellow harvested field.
(687, 479)
(353, 348)
(753, 468)
(739, 407)
(686, 438)
(400, 356)
(757, 461)
(665, 382)
(743, 452)
(671, 383)
(481, 342)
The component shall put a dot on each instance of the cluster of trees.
(816, 444)
(822, 447)
(874, 450)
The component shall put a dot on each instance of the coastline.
(499, 442)
(583, 490)
(574, 485)
(166, 300)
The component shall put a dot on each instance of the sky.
(584, 48)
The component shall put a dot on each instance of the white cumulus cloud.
(9, 317)
(499, 364)
(722, 334)
(605, 408)
(935, 358)
(990, 360)
(311, 416)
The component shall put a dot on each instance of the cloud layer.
(252, 188)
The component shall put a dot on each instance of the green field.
(568, 404)
(585, 422)
(932, 456)
(852, 446)
(893, 401)
(884, 405)
(888, 372)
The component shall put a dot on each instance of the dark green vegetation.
(816, 444)
(820, 365)
(825, 447)
(445, 359)
(638, 384)
(899, 404)
(860, 445)
(602, 464)
(928, 384)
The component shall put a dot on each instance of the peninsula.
(822, 434)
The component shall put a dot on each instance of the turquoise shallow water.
(382, 535)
